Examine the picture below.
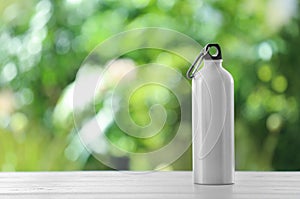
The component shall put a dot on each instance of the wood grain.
(118, 184)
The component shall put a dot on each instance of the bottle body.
(213, 125)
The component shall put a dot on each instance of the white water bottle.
(213, 119)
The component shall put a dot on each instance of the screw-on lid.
(218, 54)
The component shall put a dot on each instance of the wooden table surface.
(116, 184)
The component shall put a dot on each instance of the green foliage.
(43, 43)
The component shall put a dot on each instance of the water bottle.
(212, 119)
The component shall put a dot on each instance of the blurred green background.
(43, 43)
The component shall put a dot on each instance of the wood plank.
(114, 184)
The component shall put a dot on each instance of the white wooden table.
(113, 184)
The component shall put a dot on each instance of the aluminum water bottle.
(213, 120)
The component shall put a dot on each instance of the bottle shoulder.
(228, 76)
(214, 74)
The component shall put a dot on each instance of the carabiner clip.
(197, 63)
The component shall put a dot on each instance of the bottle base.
(214, 184)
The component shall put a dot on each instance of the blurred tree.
(43, 43)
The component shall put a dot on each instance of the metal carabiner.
(198, 61)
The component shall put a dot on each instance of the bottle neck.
(213, 63)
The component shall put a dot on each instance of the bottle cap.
(216, 56)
